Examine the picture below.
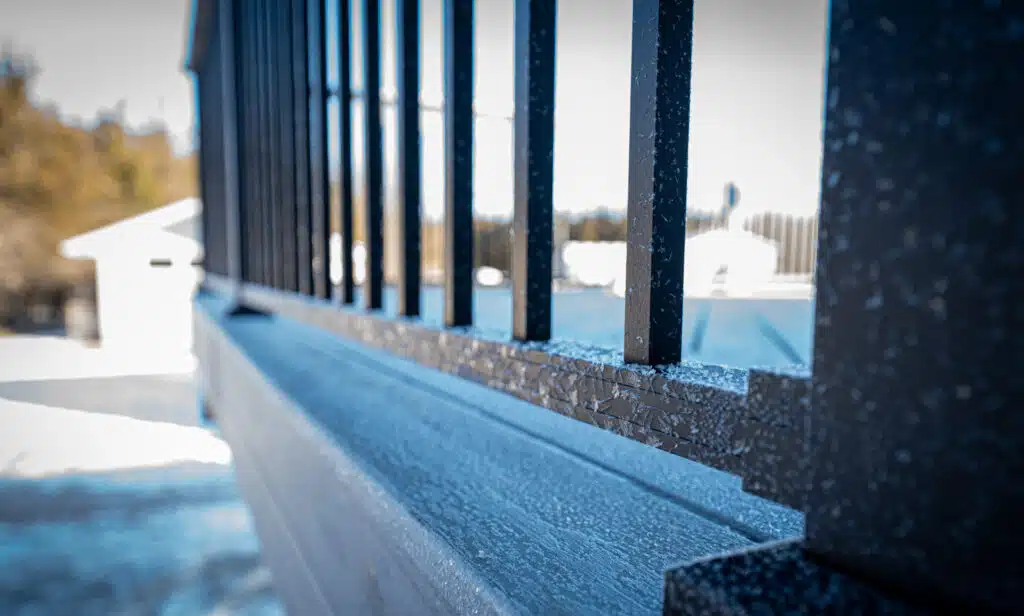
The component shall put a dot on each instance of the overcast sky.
(756, 103)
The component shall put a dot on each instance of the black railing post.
(231, 232)
(914, 434)
(202, 115)
(274, 140)
(458, 141)
(259, 176)
(243, 74)
(203, 159)
(266, 168)
(374, 157)
(320, 193)
(408, 61)
(344, 97)
(534, 136)
(260, 173)
(917, 424)
(303, 181)
(286, 126)
(659, 126)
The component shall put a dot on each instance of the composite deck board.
(580, 521)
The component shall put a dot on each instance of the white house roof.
(171, 231)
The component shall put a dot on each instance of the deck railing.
(894, 445)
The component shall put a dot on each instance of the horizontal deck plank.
(454, 488)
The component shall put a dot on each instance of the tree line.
(60, 178)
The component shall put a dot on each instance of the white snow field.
(112, 499)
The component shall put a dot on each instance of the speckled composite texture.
(747, 422)
(917, 427)
(430, 490)
(773, 580)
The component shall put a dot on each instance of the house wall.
(144, 308)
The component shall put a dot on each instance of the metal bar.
(286, 125)
(209, 146)
(776, 235)
(787, 245)
(300, 71)
(241, 137)
(320, 193)
(262, 230)
(656, 208)
(230, 233)
(208, 152)
(814, 247)
(409, 155)
(916, 430)
(254, 146)
(261, 177)
(245, 150)
(374, 156)
(274, 139)
(534, 138)
(805, 263)
(345, 144)
(266, 93)
(203, 160)
(458, 141)
(248, 105)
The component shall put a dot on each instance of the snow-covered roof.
(171, 231)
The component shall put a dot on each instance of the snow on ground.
(103, 508)
(25, 358)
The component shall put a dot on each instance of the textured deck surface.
(557, 516)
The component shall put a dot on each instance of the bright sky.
(93, 53)
(756, 103)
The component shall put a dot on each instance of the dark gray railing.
(903, 445)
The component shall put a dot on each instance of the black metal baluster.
(286, 124)
(320, 193)
(274, 140)
(374, 278)
(916, 432)
(656, 210)
(458, 137)
(241, 137)
(244, 106)
(266, 201)
(268, 144)
(230, 261)
(534, 139)
(203, 159)
(300, 71)
(408, 61)
(344, 97)
(260, 138)
(256, 237)
(218, 207)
